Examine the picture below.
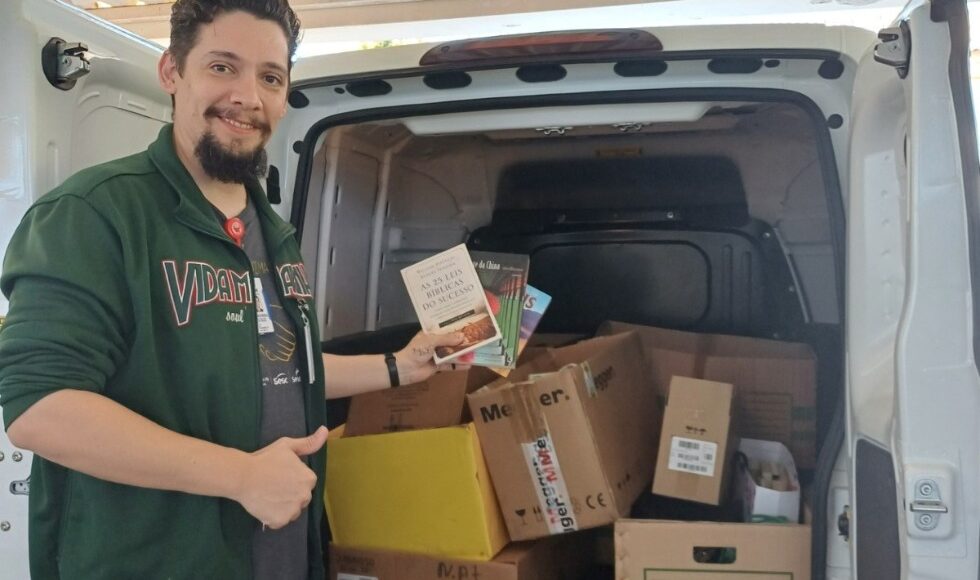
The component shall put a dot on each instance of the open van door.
(912, 304)
(91, 97)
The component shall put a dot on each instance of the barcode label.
(692, 456)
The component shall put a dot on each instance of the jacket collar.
(194, 210)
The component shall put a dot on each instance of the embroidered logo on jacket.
(292, 277)
(200, 284)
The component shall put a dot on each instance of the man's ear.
(167, 74)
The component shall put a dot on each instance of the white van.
(800, 182)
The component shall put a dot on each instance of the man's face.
(231, 94)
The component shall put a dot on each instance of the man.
(158, 355)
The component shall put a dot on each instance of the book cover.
(504, 278)
(535, 304)
(446, 293)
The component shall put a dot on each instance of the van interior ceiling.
(703, 216)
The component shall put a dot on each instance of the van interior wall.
(433, 191)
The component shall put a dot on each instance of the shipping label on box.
(571, 445)
(668, 550)
(776, 381)
(695, 441)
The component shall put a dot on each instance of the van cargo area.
(726, 222)
(715, 217)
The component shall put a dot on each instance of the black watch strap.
(392, 369)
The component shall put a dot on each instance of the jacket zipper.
(308, 336)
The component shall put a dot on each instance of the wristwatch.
(392, 369)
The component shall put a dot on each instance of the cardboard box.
(668, 550)
(761, 503)
(695, 443)
(439, 401)
(559, 558)
(425, 491)
(572, 443)
(776, 381)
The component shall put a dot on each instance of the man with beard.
(160, 355)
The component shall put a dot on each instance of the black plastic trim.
(783, 54)
(875, 515)
(640, 68)
(298, 100)
(447, 80)
(734, 66)
(369, 88)
(831, 69)
(541, 73)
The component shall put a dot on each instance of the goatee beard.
(226, 166)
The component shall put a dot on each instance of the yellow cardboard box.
(425, 491)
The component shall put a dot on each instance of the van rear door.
(103, 102)
(912, 311)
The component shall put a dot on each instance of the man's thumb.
(309, 444)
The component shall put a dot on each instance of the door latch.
(927, 506)
(895, 48)
(64, 63)
(930, 501)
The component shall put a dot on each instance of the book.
(532, 311)
(446, 293)
(504, 278)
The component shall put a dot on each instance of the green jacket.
(122, 282)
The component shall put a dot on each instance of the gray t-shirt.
(277, 554)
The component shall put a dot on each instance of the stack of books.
(484, 295)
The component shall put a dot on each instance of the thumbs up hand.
(276, 484)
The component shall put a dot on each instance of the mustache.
(215, 111)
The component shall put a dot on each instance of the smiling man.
(161, 352)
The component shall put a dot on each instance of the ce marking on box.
(595, 501)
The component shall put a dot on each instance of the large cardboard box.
(695, 444)
(439, 401)
(559, 558)
(425, 491)
(571, 443)
(776, 381)
(669, 550)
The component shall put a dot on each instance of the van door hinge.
(895, 48)
(64, 63)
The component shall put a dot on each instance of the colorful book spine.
(533, 308)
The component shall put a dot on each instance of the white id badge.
(262, 309)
